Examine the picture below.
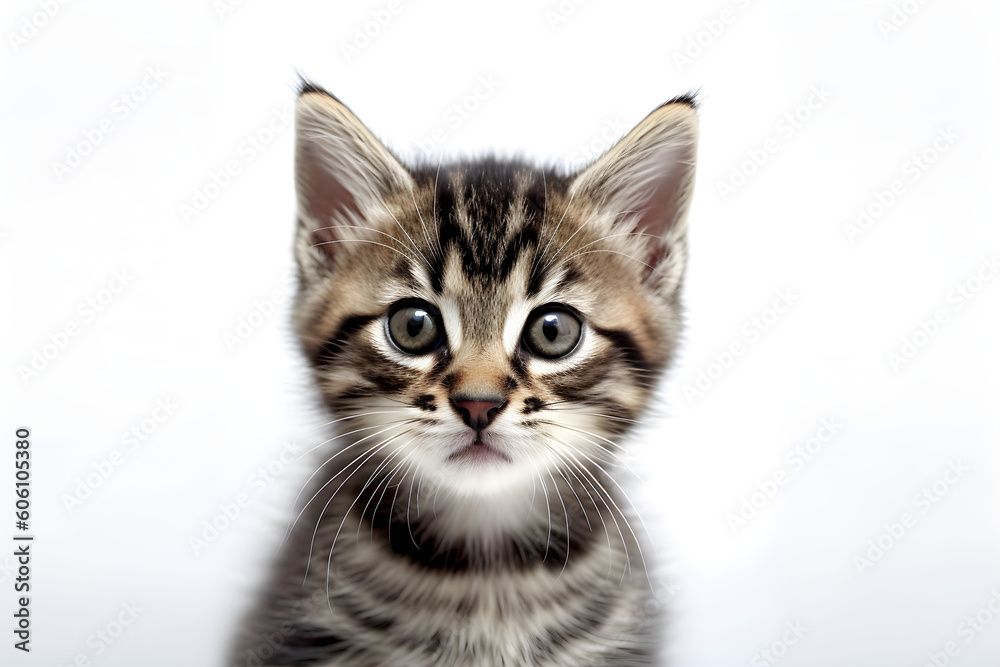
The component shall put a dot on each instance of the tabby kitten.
(483, 334)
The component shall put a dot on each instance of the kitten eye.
(552, 331)
(415, 327)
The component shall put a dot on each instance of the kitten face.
(488, 324)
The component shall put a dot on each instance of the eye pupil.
(416, 323)
(550, 327)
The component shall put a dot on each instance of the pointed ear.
(343, 174)
(646, 181)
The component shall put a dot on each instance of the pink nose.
(478, 414)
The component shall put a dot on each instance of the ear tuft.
(689, 98)
(307, 86)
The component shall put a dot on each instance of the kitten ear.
(646, 181)
(342, 176)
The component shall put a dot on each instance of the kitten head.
(488, 322)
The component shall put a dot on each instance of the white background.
(559, 85)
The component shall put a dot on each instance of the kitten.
(483, 335)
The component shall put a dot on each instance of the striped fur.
(402, 555)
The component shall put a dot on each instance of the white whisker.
(601, 494)
(566, 515)
(375, 449)
(365, 241)
(625, 497)
(327, 462)
(611, 252)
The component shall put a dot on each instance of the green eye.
(552, 331)
(415, 327)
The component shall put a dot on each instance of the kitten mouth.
(479, 453)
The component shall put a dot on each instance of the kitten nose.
(478, 413)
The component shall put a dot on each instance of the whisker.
(592, 501)
(413, 197)
(329, 561)
(553, 236)
(609, 236)
(367, 229)
(365, 241)
(548, 514)
(624, 495)
(611, 252)
(379, 468)
(597, 414)
(603, 450)
(409, 499)
(395, 494)
(347, 514)
(434, 215)
(413, 245)
(570, 486)
(291, 527)
(566, 242)
(586, 432)
(566, 515)
(420, 483)
(341, 435)
(601, 494)
(375, 449)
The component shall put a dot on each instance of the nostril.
(478, 413)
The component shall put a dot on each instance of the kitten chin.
(484, 334)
